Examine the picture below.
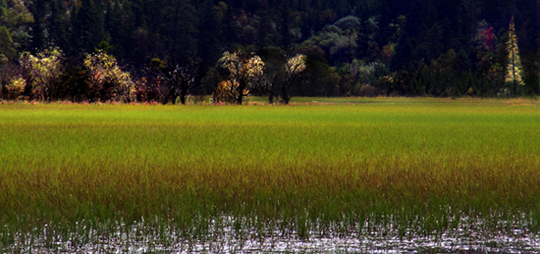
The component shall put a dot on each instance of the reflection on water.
(226, 238)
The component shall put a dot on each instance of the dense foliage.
(352, 47)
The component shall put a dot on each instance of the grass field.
(415, 165)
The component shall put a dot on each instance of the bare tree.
(181, 79)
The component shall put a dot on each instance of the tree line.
(163, 51)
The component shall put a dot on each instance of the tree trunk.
(183, 94)
(270, 88)
(240, 98)
(514, 75)
(271, 98)
(241, 87)
(285, 93)
(286, 100)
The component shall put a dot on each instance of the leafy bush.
(108, 81)
(43, 72)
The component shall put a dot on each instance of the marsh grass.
(417, 167)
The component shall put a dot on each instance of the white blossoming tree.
(243, 73)
(293, 70)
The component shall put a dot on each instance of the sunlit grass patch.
(420, 165)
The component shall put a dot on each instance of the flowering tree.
(293, 69)
(43, 72)
(106, 78)
(243, 73)
(487, 66)
(484, 40)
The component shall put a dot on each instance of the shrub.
(43, 72)
(107, 81)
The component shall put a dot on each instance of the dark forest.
(163, 51)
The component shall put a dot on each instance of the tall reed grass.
(418, 165)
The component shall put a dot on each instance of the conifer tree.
(514, 70)
(6, 44)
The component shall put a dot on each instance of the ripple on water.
(225, 239)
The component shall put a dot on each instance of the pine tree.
(174, 23)
(514, 70)
(6, 45)
(88, 26)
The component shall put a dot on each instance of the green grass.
(424, 163)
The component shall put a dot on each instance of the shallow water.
(446, 244)
(225, 238)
